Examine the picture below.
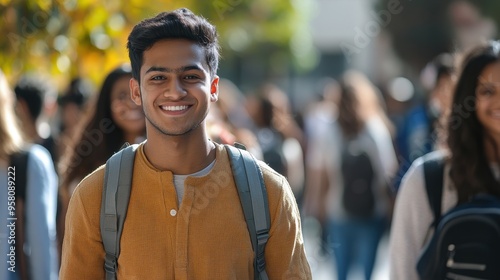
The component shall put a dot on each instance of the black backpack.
(358, 176)
(466, 239)
(272, 150)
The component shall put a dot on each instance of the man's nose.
(175, 89)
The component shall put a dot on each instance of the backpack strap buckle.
(110, 264)
(262, 238)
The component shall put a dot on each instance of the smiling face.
(127, 115)
(488, 99)
(175, 88)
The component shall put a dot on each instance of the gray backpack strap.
(253, 196)
(114, 204)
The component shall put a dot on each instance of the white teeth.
(174, 108)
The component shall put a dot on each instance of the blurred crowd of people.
(308, 147)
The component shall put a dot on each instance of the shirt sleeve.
(315, 158)
(385, 147)
(83, 252)
(411, 221)
(41, 205)
(285, 253)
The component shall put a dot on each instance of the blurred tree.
(426, 28)
(67, 38)
(490, 8)
(420, 31)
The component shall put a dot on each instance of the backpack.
(19, 166)
(116, 193)
(466, 239)
(358, 174)
(271, 143)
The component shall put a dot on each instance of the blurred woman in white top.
(361, 119)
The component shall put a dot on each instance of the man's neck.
(180, 154)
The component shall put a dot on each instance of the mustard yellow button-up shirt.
(205, 238)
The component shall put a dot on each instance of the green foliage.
(68, 38)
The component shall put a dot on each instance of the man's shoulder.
(272, 179)
(268, 171)
(91, 186)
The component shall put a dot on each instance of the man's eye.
(158, 78)
(190, 77)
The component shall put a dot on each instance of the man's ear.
(214, 89)
(135, 91)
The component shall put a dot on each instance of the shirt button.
(173, 212)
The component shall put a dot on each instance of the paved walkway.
(323, 268)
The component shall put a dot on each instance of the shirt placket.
(182, 232)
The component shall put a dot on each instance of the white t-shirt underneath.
(179, 180)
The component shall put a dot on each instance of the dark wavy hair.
(470, 170)
(349, 117)
(90, 150)
(32, 90)
(178, 24)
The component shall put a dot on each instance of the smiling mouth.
(174, 108)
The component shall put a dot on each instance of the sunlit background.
(294, 44)
(290, 42)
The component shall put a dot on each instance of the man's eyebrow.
(178, 70)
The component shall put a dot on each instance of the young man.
(30, 95)
(184, 218)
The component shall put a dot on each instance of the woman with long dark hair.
(350, 166)
(471, 159)
(113, 120)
